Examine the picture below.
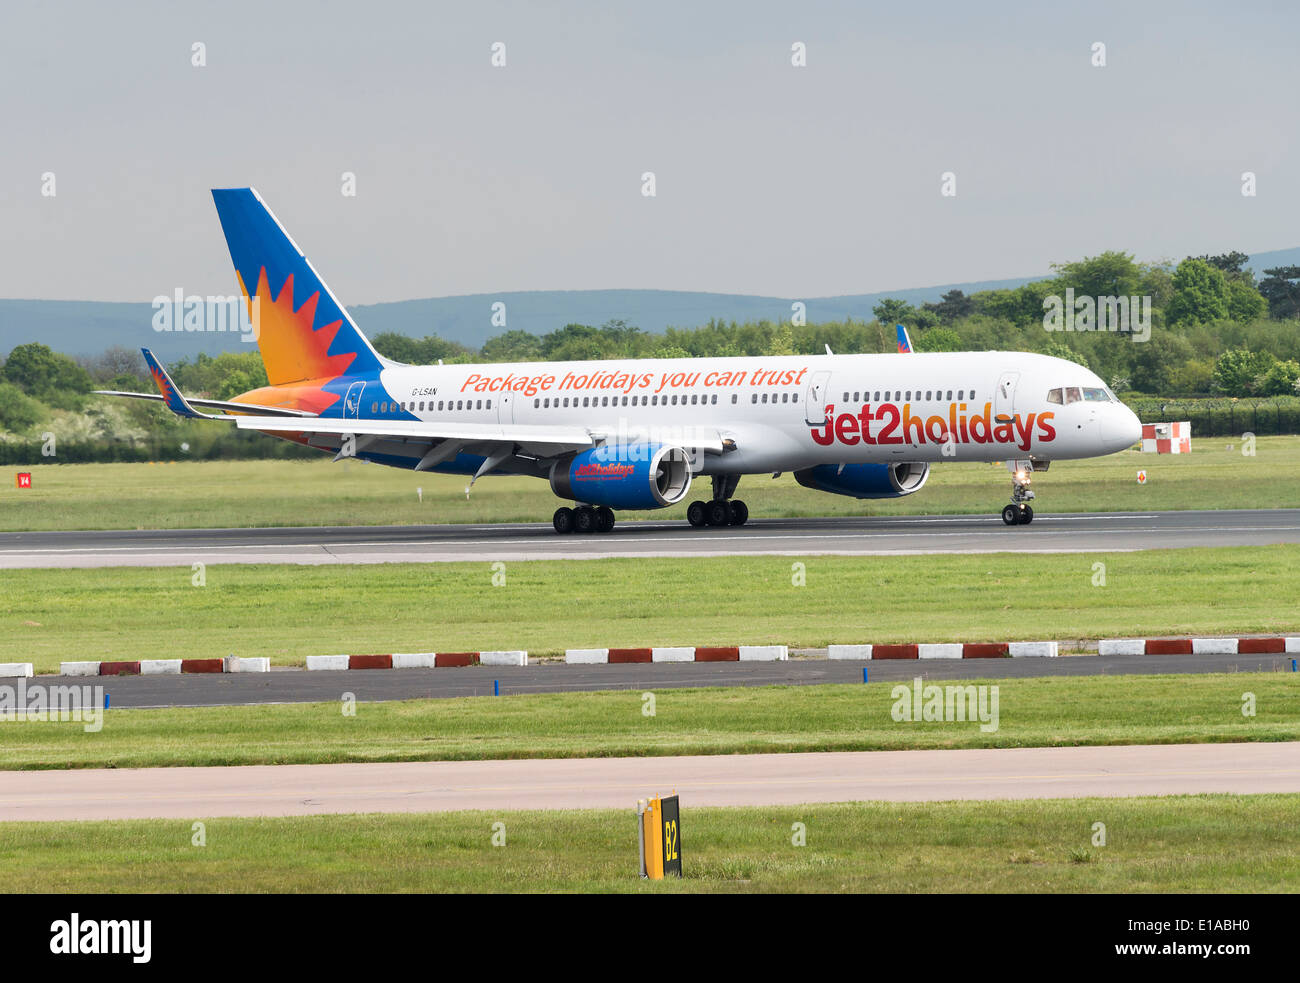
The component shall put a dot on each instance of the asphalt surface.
(374, 685)
(721, 780)
(881, 535)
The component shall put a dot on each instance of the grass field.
(1219, 844)
(1040, 712)
(289, 612)
(319, 493)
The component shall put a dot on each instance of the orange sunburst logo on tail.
(293, 348)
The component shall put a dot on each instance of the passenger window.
(785, 397)
(753, 397)
(846, 398)
(794, 397)
(765, 397)
(950, 395)
(537, 403)
(715, 399)
(489, 403)
(734, 397)
(439, 404)
(1054, 396)
(374, 407)
(546, 404)
(928, 394)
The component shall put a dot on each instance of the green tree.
(1059, 349)
(891, 311)
(1111, 274)
(513, 346)
(1281, 288)
(18, 411)
(1245, 303)
(46, 375)
(953, 305)
(939, 340)
(1237, 372)
(1200, 294)
(1279, 379)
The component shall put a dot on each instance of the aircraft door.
(814, 400)
(506, 407)
(1004, 399)
(352, 401)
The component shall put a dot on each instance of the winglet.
(904, 342)
(177, 403)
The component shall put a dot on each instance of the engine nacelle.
(624, 476)
(866, 480)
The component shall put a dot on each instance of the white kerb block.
(1122, 646)
(326, 662)
(848, 652)
(672, 655)
(503, 658)
(260, 663)
(586, 657)
(413, 660)
(1214, 646)
(160, 667)
(8, 669)
(764, 653)
(1034, 649)
(1292, 645)
(78, 668)
(940, 651)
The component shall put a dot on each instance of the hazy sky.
(771, 179)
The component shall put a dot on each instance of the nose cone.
(1120, 428)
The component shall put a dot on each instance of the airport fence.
(1223, 417)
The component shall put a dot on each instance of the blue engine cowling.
(624, 476)
(866, 480)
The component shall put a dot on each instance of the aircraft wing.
(537, 440)
(214, 404)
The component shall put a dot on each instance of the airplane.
(633, 434)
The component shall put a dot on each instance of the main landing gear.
(722, 510)
(583, 519)
(1019, 512)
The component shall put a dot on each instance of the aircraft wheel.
(604, 519)
(584, 519)
(563, 520)
(1027, 516)
(717, 513)
(1010, 515)
(739, 513)
(695, 514)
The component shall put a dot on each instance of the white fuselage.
(784, 413)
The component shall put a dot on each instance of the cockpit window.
(1096, 396)
(1054, 396)
(1072, 394)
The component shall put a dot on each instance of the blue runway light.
(864, 674)
(1293, 665)
(496, 687)
(106, 695)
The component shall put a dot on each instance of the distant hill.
(89, 327)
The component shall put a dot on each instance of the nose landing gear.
(1019, 512)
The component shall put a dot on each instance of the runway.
(377, 685)
(854, 536)
(587, 783)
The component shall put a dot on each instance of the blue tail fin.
(303, 332)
